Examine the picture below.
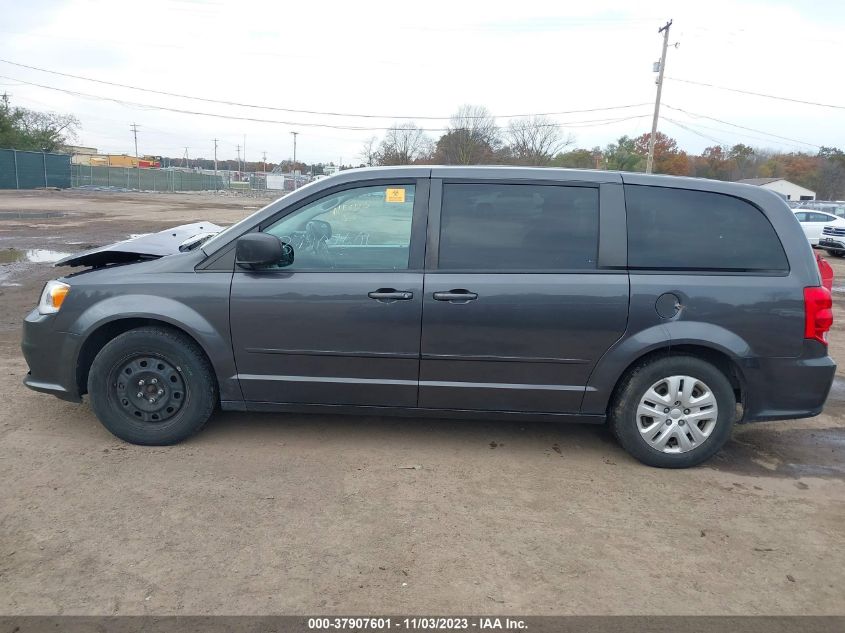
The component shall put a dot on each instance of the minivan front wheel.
(152, 386)
(673, 412)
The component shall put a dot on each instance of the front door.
(341, 325)
(518, 309)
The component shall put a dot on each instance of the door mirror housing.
(260, 250)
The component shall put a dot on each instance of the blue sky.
(412, 59)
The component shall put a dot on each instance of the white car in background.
(813, 222)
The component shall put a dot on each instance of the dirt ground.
(316, 514)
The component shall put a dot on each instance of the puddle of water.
(792, 453)
(838, 288)
(37, 215)
(35, 255)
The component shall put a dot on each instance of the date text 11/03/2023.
(416, 623)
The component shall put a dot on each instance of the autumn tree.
(716, 163)
(668, 159)
(403, 144)
(473, 138)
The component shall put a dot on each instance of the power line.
(296, 111)
(758, 94)
(697, 133)
(147, 106)
(741, 127)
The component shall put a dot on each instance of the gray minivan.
(669, 308)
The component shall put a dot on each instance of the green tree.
(24, 129)
(623, 156)
(578, 159)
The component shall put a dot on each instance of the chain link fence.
(91, 177)
(37, 170)
(34, 170)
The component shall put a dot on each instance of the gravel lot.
(318, 514)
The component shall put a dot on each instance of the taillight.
(826, 272)
(818, 313)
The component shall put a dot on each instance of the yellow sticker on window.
(394, 195)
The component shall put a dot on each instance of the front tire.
(152, 386)
(673, 412)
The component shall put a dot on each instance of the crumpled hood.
(151, 246)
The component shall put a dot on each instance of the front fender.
(210, 331)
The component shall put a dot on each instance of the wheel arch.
(716, 357)
(108, 331)
(714, 344)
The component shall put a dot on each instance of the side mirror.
(260, 250)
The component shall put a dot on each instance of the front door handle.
(456, 296)
(390, 294)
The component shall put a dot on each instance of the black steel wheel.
(149, 387)
(152, 386)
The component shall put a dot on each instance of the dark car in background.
(461, 292)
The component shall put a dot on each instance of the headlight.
(52, 297)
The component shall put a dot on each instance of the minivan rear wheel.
(152, 386)
(673, 412)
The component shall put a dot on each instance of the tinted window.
(518, 227)
(367, 228)
(820, 217)
(802, 217)
(682, 229)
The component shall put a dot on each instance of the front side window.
(518, 227)
(368, 228)
(681, 229)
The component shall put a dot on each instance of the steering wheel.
(317, 234)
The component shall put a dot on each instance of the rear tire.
(689, 425)
(152, 386)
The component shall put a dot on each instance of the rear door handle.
(456, 296)
(390, 294)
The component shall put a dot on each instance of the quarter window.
(518, 227)
(368, 228)
(681, 229)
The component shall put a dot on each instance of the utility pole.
(294, 159)
(239, 158)
(651, 139)
(264, 161)
(215, 164)
(134, 128)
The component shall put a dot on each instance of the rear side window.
(518, 227)
(680, 229)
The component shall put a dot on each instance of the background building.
(788, 190)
